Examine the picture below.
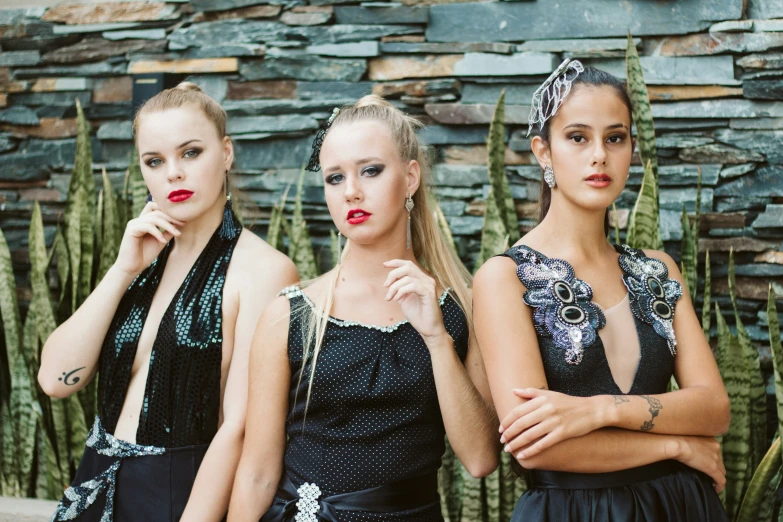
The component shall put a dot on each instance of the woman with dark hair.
(579, 371)
(168, 330)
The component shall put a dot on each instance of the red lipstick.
(358, 216)
(599, 180)
(178, 196)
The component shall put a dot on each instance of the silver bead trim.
(294, 291)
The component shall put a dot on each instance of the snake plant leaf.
(758, 395)
(60, 442)
(640, 108)
(301, 247)
(77, 429)
(275, 232)
(759, 485)
(688, 255)
(41, 301)
(23, 410)
(496, 166)
(9, 474)
(492, 497)
(55, 481)
(616, 224)
(98, 241)
(138, 188)
(111, 233)
(706, 307)
(472, 507)
(60, 249)
(9, 307)
(643, 225)
(776, 350)
(449, 485)
(334, 247)
(766, 512)
(80, 213)
(736, 443)
(494, 236)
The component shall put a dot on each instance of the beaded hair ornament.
(314, 164)
(553, 90)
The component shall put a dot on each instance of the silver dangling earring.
(549, 177)
(409, 206)
(339, 248)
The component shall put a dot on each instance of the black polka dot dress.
(373, 416)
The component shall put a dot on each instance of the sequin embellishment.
(563, 303)
(307, 505)
(653, 295)
(78, 498)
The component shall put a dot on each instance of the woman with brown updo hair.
(168, 330)
(357, 375)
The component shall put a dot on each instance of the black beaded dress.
(151, 480)
(575, 337)
(373, 419)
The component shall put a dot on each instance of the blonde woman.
(355, 378)
(168, 330)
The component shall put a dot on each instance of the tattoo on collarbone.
(620, 399)
(655, 407)
(73, 380)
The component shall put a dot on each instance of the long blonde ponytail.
(429, 245)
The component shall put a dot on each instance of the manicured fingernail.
(501, 429)
(502, 439)
(521, 455)
(506, 448)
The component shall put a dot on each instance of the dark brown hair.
(591, 77)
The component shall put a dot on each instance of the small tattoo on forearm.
(654, 409)
(73, 380)
(619, 399)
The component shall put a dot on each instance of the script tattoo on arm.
(69, 379)
(655, 407)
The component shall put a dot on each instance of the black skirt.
(662, 492)
(152, 488)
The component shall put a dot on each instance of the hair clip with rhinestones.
(549, 97)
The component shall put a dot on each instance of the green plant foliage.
(334, 247)
(688, 257)
(736, 443)
(111, 232)
(137, 187)
(494, 236)
(758, 397)
(496, 149)
(759, 485)
(9, 308)
(777, 353)
(640, 108)
(643, 224)
(706, 307)
(41, 302)
(616, 224)
(275, 232)
(80, 214)
(300, 246)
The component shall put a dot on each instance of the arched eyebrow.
(357, 162)
(180, 146)
(585, 126)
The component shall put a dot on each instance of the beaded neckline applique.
(652, 294)
(563, 303)
(295, 291)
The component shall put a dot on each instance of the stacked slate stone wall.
(714, 70)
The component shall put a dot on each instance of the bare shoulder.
(671, 264)
(261, 266)
(497, 272)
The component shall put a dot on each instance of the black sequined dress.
(373, 417)
(567, 324)
(151, 480)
